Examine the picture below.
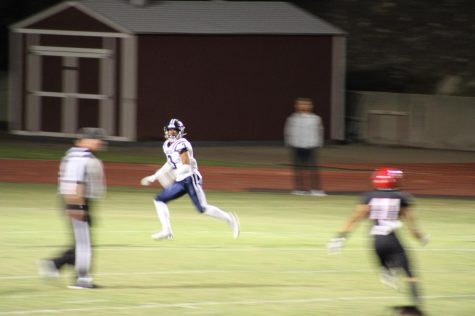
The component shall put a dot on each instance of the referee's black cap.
(91, 133)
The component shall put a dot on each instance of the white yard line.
(164, 246)
(154, 305)
(278, 249)
(85, 301)
(205, 271)
(320, 235)
(132, 274)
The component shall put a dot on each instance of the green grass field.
(233, 156)
(279, 266)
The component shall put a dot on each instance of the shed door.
(71, 92)
(51, 106)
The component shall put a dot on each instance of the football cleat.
(389, 277)
(162, 235)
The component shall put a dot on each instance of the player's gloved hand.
(147, 180)
(335, 245)
(424, 240)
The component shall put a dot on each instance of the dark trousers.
(306, 175)
(391, 253)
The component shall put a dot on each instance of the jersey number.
(171, 161)
(384, 209)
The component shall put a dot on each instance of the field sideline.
(279, 266)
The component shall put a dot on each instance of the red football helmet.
(386, 178)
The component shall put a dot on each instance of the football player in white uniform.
(180, 176)
(385, 206)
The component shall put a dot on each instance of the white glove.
(424, 240)
(147, 180)
(335, 245)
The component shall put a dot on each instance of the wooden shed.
(229, 70)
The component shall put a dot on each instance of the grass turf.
(279, 266)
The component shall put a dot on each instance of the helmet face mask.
(176, 125)
(387, 178)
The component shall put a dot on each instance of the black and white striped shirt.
(80, 166)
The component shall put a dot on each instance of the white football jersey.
(173, 149)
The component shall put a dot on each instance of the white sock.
(215, 212)
(163, 215)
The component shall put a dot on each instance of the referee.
(81, 179)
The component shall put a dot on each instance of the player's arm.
(361, 212)
(336, 244)
(165, 175)
(184, 169)
(185, 157)
(408, 216)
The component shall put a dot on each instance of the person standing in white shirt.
(303, 134)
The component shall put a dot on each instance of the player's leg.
(400, 260)
(395, 259)
(384, 247)
(170, 193)
(197, 195)
(163, 214)
(410, 277)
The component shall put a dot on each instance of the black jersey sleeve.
(406, 199)
(366, 198)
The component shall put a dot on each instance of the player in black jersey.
(386, 206)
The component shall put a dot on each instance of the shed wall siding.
(231, 87)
